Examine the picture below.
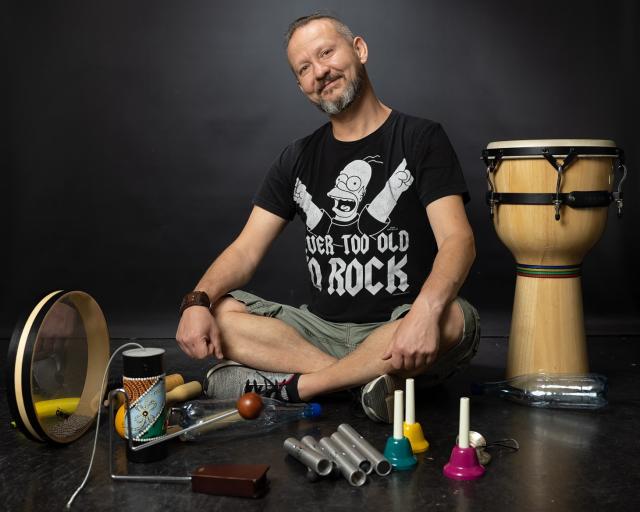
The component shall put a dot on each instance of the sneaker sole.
(377, 399)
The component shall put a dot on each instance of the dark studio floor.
(568, 460)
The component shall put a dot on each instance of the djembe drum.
(548, 200)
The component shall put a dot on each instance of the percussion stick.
(173, 381)
(184, 392)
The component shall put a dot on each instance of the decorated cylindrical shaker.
(143, 380)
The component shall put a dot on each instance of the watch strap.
(196, 298)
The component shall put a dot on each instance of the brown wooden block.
(244, 480)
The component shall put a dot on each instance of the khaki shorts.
(339, 339)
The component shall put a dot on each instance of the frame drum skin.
(547, 327)
(57, 358)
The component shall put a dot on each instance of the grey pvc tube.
(380, 464)
(356, 456)
(354, 475)
(320, 464)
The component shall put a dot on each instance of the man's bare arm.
(416, 341)
(237, 263)
(456, 253)
(198, 335)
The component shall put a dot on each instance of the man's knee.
(451, 325)
(227, 304)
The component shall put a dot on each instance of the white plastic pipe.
(463, 432)
(398, 414)
(410, 403)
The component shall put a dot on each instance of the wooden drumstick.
(173, 381)
(184, 392)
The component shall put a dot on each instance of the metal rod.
(133, 478)
(311, 443)
(153, 479)
(310, 458)
(356, 456)
(352, 473)
(380, 464)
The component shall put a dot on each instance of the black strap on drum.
(579, 199)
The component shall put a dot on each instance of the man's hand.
(415, 343)
(198, 334)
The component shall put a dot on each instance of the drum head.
(57, 357)
(535, 148)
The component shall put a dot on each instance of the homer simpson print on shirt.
(367, 240)
(345, 230)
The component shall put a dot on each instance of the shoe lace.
(268, 387)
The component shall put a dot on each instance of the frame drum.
(548, 200)
(56, 362)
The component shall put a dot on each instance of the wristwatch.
(195, 299)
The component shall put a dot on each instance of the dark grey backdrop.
(139, 131)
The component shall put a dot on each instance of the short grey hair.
(340, 27)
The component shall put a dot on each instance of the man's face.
(328, 68)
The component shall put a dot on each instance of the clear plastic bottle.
(551, 390)
(273, 414)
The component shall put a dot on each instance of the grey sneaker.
(228, 379)
(377, 397)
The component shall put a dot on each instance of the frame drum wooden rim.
(20, 360)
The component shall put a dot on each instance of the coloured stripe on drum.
(548, 271)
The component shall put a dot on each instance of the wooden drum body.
(549, 203)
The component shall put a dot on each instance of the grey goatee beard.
(351, 92)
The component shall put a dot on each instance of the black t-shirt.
(368, 244)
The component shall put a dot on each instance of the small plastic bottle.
(273, 414)
(551, 390)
